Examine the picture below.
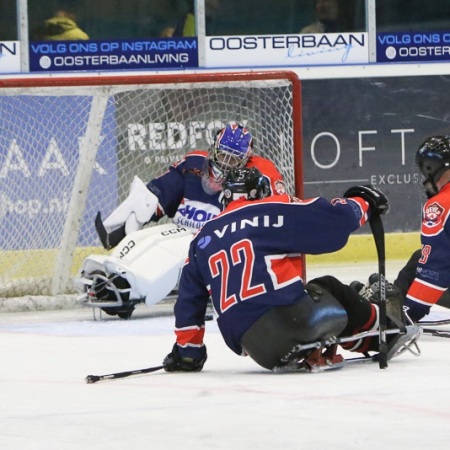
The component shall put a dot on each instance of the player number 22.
(241, 252)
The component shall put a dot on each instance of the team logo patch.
(204, 241)
(433, 215)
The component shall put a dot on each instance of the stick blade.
(92, 379)
(382, 362)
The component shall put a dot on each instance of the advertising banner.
(287, 50)
(360, 131)
(413, 46)
(9, 57)
(179, 53)
(38, 164)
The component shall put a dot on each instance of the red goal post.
(71, 145)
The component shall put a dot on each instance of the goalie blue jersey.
(249, 259)
(182, 197)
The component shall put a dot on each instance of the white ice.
(231, 404)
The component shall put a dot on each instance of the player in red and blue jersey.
(426, 277)
(248, 260)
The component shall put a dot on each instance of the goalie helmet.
(248, 183)
(433, 159)
(232, 148)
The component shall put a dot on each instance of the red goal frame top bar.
(149, 79)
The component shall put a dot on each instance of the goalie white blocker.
(130, 216)
(248, 260)
(188, 192)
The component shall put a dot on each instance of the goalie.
(145, 266)
(248, 259)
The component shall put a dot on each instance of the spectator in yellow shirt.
(61, 27)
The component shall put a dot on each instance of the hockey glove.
(173, 362)
(377, 201)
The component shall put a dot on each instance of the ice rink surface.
(231, 404)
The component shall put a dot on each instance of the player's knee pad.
(321, 314)
(314, 316)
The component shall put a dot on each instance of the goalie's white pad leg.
(136, 210)
(153, 263)
(144, 267)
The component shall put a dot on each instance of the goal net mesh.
(71, 147)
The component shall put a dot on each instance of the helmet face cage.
(433, 159)
(232, 148)
(248, 183)
(212, 178)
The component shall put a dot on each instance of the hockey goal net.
(70, 146)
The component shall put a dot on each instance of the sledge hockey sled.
(143, 268)
(323, 355)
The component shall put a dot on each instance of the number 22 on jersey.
(242, 254)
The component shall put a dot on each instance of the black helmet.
(250, 183)
(433, 159)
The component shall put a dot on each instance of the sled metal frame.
(322, 355)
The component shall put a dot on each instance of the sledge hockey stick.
(434, 322)
(434, 332)
(112, 376)
(376, 225)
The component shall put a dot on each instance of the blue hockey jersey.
(182, 197)
(249, 259)
(433, 268)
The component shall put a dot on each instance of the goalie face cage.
(70, 147)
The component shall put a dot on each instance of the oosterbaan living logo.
(286, 50)
(96, 55)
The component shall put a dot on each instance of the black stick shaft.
(377, 228)
(112, 376)
(434, 322)
(434, 332)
